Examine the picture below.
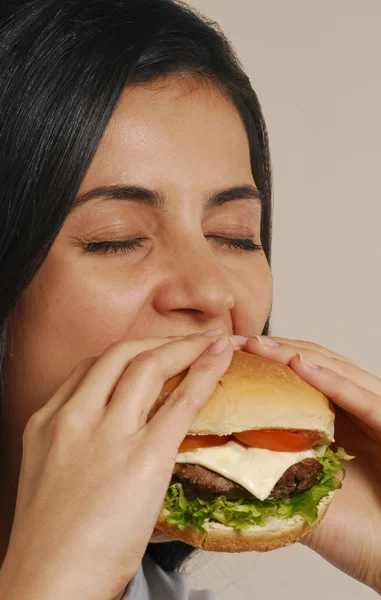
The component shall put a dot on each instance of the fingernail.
(266, 341)
(212, 332)
(219, 346)
(238, 339)
(307, 362)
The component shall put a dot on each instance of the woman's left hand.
(350, 534)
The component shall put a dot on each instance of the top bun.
(257, 393)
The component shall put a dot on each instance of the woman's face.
(172, 159)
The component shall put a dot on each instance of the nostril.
(189, 311)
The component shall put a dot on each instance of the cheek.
(253, 301)
(67, 315)
(64, 316)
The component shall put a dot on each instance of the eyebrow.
(156, 200)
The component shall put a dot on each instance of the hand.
(350, 534)
(94, 474)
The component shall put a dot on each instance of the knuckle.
(67, 420)
(33, 425)
(204, 367)
(84, 365)
(148, 359)
(114, 347)
(36, 420)
(335, 378)
(368, 412)
(181, 397)
(308, 344)
(346, 369)
(319, 348)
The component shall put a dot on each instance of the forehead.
(177, 131)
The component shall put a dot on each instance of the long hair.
(63, 67)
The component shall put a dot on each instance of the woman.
(135, 240)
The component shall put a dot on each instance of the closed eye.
(242, 244)
(117, 247)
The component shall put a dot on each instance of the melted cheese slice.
(255, 469)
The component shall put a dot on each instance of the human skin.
(185, 141)
(350, 534)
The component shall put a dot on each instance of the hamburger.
(256, 471)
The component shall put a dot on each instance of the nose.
(194, 282)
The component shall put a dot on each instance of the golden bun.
(257, 393)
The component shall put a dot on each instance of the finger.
(284, 352)
(305, 345)
(210, 332)
(350, 396)
(66, 389)
(159, 537)
(144, 378)
(172, 421)
(98, 384)
(70, 385)
(238, 341)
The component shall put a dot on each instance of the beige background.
(316, 69)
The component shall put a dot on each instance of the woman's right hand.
(94, 473)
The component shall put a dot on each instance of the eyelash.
(129, 245)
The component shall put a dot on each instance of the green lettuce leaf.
(245, 512)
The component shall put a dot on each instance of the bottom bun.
(276, 533)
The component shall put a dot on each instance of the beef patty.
(199, 482)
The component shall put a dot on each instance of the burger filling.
(200, 482)
(238, 485)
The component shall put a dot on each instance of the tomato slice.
(191, 442)
(279, 440)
